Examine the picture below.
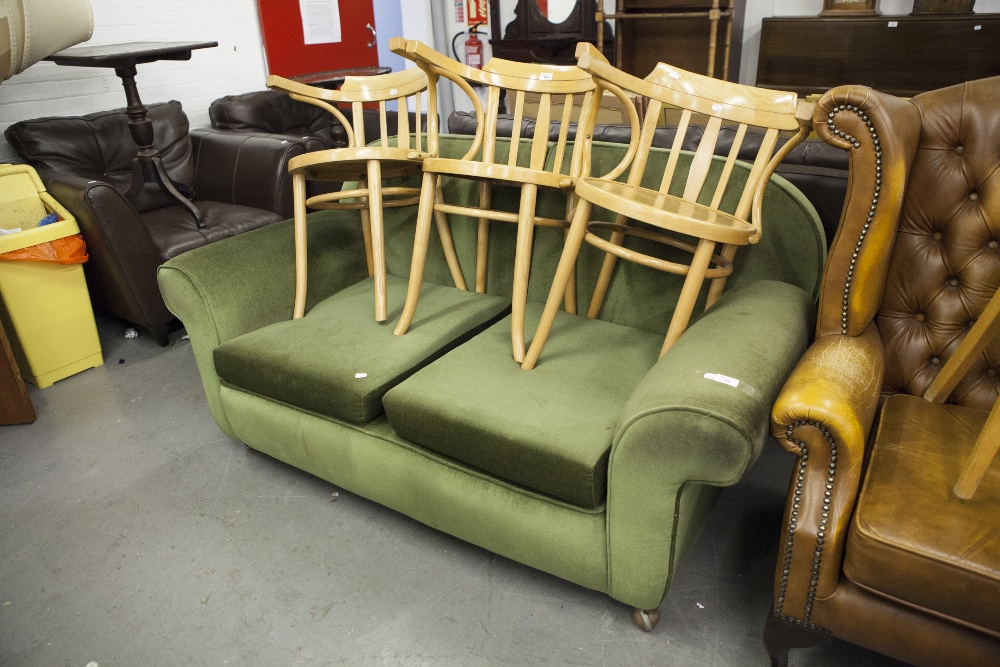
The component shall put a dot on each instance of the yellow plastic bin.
(44, 306)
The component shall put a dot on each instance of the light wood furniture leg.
(689, 293)
(421, 239)
(299, 205)
(982, 455)
(377, 236)
(570, 296)
(482, 239)
(522, 267)
(448, 243)
(366, 233)
(564, 272)
(604, 278)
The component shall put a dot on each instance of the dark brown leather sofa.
(239, 182)
(815, 168)
(876, 549)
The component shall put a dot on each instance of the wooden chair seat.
(368, 165)
(500, 173)
(351, 164)
(666, 211)
(698, 176)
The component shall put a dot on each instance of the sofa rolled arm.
(230, 287)
(696, 422)
(247, 168)
(824, 415)
(123, 258)
(880, 133)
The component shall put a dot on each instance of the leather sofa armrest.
(247, 168)
(696, 422)
(123, 258)
(824, 415)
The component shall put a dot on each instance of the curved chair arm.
(824, 415)
(696, 422)
(880, 133)
(436, 65)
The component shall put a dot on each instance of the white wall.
(235, 66)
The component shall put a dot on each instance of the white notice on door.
(320, 21)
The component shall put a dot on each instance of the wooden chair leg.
(448, 243)
(719, 284)
(421, 238)
(366, 234)
(983, 452)
(607, 269)
(570, 296)
(522, 267)
(567, 264)
(299, 207)
(689, 293)
(377, 236)
(483, 239)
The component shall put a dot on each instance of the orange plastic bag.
(66, 250)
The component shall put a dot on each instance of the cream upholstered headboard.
(34, 29)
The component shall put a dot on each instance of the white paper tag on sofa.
(358, 376)
(724, 379)
(729, 381)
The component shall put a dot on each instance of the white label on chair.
(392, 91)
(674, 75)
(358, 376)
(717, 108)
(724, 379)
(893, 24)
(545, 76)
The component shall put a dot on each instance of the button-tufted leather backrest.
(946, 261)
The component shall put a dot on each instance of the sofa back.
(945, 264)
(98, 147)
(815, 167)
(792, 249)
(275, 112)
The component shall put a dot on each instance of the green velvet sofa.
(599, 466)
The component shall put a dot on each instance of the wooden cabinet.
(901, 55)
(684, 33)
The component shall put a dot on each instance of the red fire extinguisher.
(473, 47)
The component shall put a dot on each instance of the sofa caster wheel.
(646, 620)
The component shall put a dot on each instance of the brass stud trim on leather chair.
(794, 517)
(831, 122)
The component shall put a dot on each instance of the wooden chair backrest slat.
(727, 170)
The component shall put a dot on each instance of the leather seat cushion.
(313, 362)
(911, 538)
(548, 429)
(174, 231)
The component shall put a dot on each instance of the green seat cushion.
(547, 429)
(314, 363)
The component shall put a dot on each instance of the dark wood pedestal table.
(123, 58)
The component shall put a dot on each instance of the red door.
(284, 40)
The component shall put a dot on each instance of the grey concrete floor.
(133, 532)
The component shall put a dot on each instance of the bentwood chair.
(368, 165)
(693, 192)
(517, 161)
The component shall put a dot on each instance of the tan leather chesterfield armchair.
(876, 549)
